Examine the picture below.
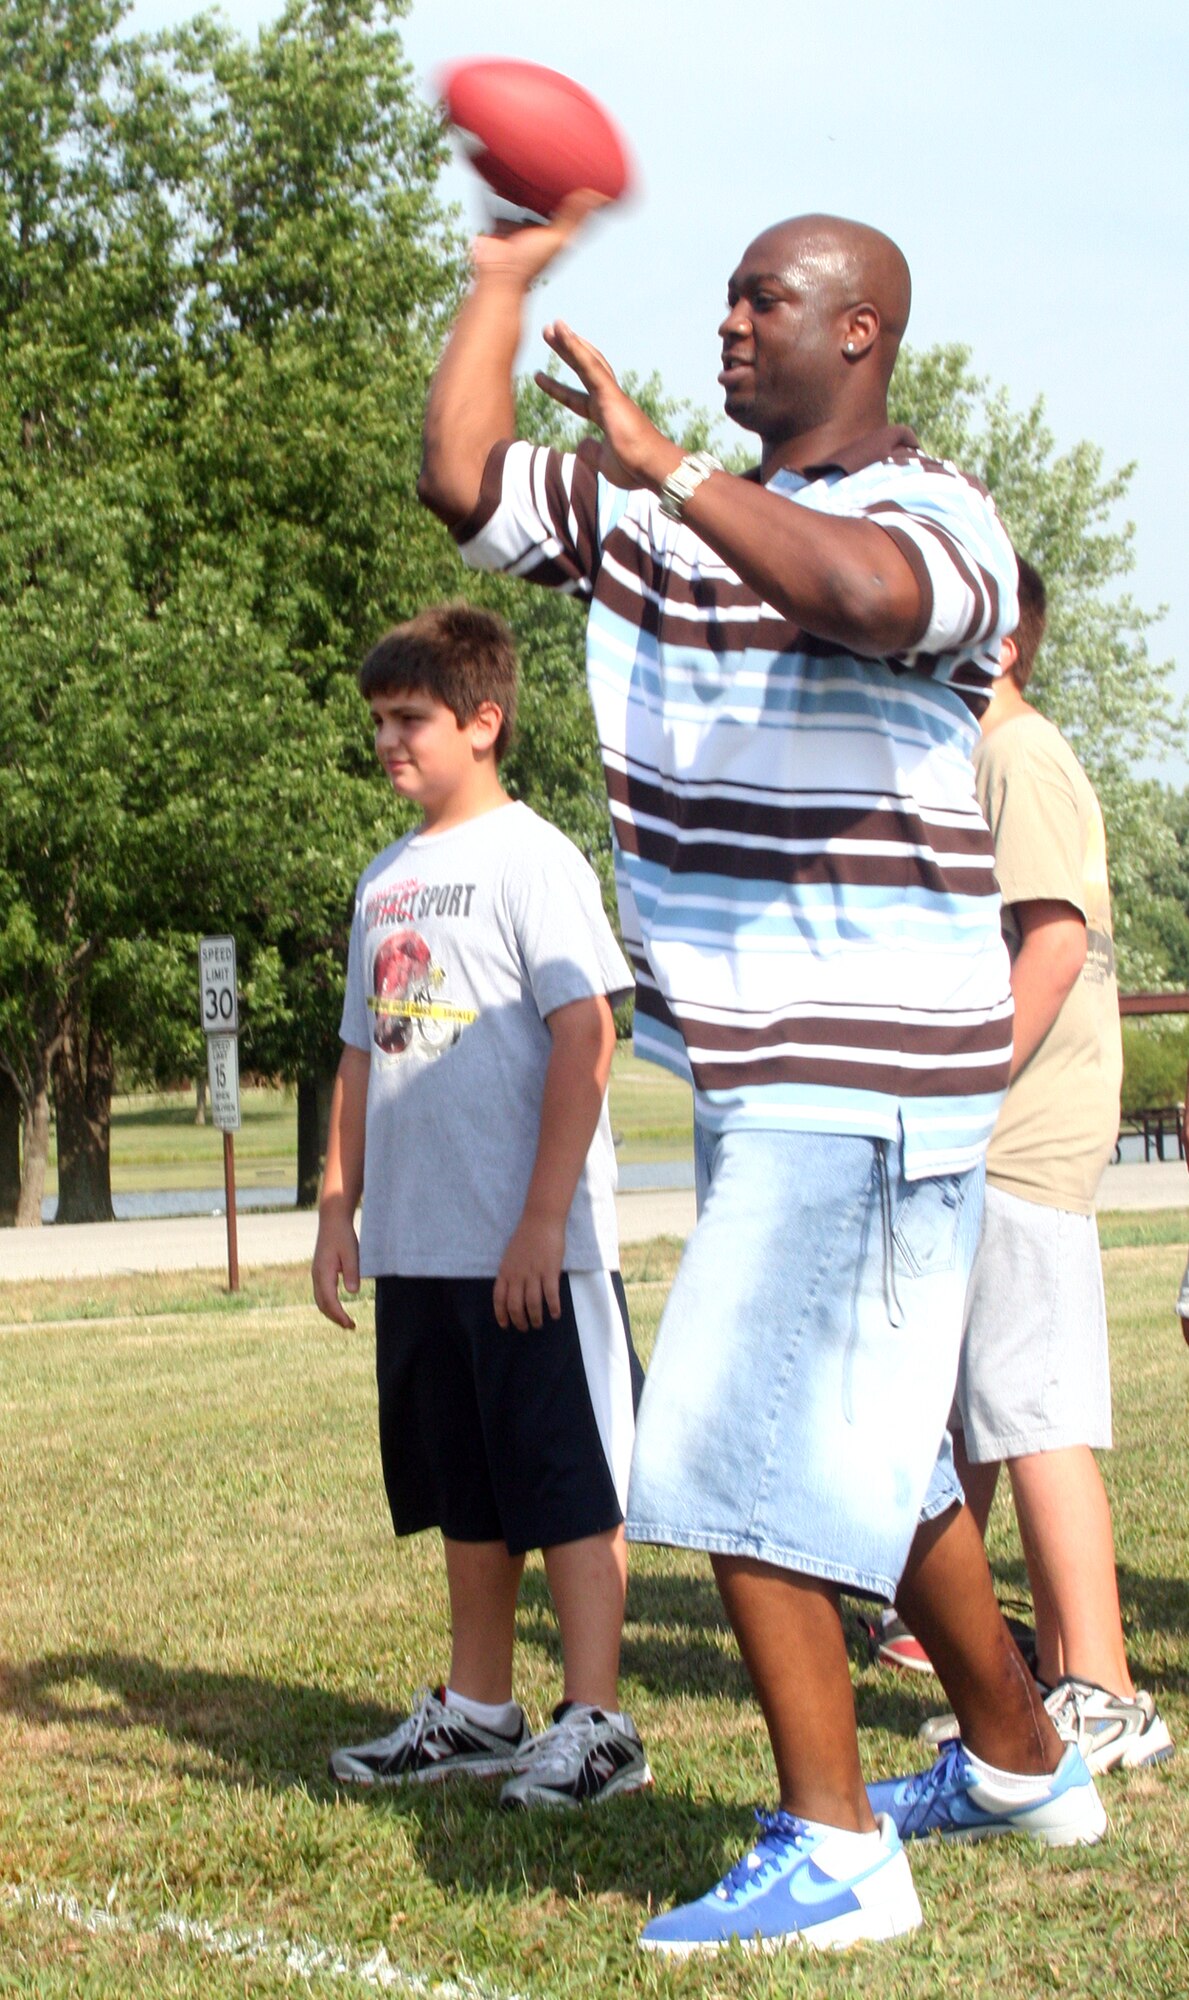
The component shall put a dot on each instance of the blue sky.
(1031, 158)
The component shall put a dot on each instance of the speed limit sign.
(216, 986)
(222, 1065)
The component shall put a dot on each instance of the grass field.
(200, 1594)
(156, 1146)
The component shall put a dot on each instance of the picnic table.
(1153, 1125)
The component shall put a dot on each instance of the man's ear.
(1009, 653)
(861, 330)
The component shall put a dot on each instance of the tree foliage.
(1095, 677)
(221, 272)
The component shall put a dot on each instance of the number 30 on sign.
(216, 986)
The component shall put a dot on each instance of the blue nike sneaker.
(797, 1885)
(946, 1800)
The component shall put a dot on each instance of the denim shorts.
(795, 1408)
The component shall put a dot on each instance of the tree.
(10, 1150)
(1150, 886)
(218, 281)
(1095, 678)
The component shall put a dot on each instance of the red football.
(534, 135)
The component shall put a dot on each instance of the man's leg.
(978, 1482)
(484, 1581)
(791, 1638)
(947, 1597)
(588, 1584)
(1065, 1527)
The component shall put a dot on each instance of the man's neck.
(821, 444)
(1006, 704)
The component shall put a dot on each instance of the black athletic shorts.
(491, 1434)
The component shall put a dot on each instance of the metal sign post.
(219, 1012)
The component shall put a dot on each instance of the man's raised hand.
(520, 252)
(634, 452)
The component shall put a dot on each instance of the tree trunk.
(10, 1150)
(200, 1099)
(83, 1082)
(35, 1157)
(313, 1123)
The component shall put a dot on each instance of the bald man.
(786, 668)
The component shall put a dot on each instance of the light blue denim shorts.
(795, 1407)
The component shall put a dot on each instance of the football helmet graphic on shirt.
(405, 979)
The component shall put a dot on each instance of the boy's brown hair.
(1030, 629)
(458, 653)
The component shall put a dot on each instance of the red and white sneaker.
(895, 1646)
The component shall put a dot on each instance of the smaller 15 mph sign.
(222, 1068)
(216, 986)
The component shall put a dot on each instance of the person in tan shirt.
(1034, 1384)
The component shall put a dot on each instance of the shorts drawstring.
(891, 1297)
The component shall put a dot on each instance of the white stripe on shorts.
(602, 1337)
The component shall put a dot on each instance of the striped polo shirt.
(806, 884)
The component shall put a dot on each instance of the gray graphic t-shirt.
(462, 943)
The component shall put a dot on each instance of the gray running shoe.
(580, 1758)
(1109, 1730)
(433, 1743)
(938, 1730)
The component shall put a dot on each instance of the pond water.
(209, 1201)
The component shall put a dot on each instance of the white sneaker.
(582, 1757)
(434, 1742)
(1110, 1730)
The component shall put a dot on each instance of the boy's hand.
(529, 1280)
(336, 1255)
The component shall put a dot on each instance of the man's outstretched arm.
(472, 401)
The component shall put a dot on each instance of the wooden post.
(229, 1190)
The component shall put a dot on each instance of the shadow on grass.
(274, 1735)
(257, 1731)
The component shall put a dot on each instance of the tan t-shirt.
(1060, 1118)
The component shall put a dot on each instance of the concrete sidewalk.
(285, 1236)
(199, 1242)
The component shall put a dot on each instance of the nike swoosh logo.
(808, 1888)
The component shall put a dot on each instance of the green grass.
(200, 1594)
(1122, 1229)
(652, 1114)
(156, 1146)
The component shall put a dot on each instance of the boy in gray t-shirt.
(471, 1098)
